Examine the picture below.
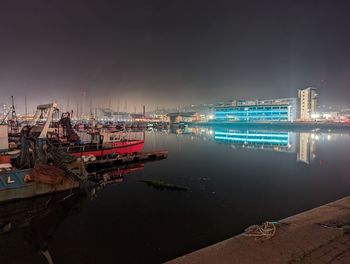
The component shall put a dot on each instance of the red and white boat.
(99, 142)
(106, 143)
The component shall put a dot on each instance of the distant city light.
(315, 115)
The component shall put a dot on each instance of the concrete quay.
(320, 235)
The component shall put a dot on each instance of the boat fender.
(27, 178)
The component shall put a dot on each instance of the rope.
(261, 232)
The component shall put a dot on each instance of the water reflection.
(233, 183)
(307, 147)
(27, 226)
(277, 141)
(303, 144)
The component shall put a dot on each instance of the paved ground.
(335, 251)
(316, 236)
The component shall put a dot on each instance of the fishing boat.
(38, 169)
(93, 142)
(100, 144)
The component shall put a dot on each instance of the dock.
(99, 164)
(320, 235)
(20, 184)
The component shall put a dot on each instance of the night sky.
(171, 53)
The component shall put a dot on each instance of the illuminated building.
(261, 110)
(107, 114)
(306, 152)
(308, 102)
(187, 117)
(253, 113)
(5, 108)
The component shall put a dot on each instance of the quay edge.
(298, 239)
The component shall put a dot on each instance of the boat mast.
(13, 114)
(51, 108)
(25, 108)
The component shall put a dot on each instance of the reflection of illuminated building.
(302, 144)
(278, 141)
(306, 151)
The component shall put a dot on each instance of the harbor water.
(234, 178)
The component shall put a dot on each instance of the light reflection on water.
(301, 143)
(236, 178)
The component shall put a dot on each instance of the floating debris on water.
(160, 185)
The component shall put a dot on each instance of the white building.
(282, 109)
(308, 102)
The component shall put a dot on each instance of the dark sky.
(173, 52)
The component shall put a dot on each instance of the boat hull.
(128, 147)
(18, 184)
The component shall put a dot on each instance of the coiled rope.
(261, 232)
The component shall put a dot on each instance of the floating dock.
(20, 184)
(95, 165)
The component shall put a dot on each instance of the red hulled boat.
(97, 143)
(118, 148)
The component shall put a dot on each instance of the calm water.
(236, 178)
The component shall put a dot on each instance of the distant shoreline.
(294, 126)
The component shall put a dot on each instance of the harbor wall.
(307, 237)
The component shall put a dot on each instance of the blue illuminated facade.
(253, 137)
(251, 113)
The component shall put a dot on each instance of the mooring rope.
(261, 232)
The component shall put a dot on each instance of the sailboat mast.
(25, 109)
